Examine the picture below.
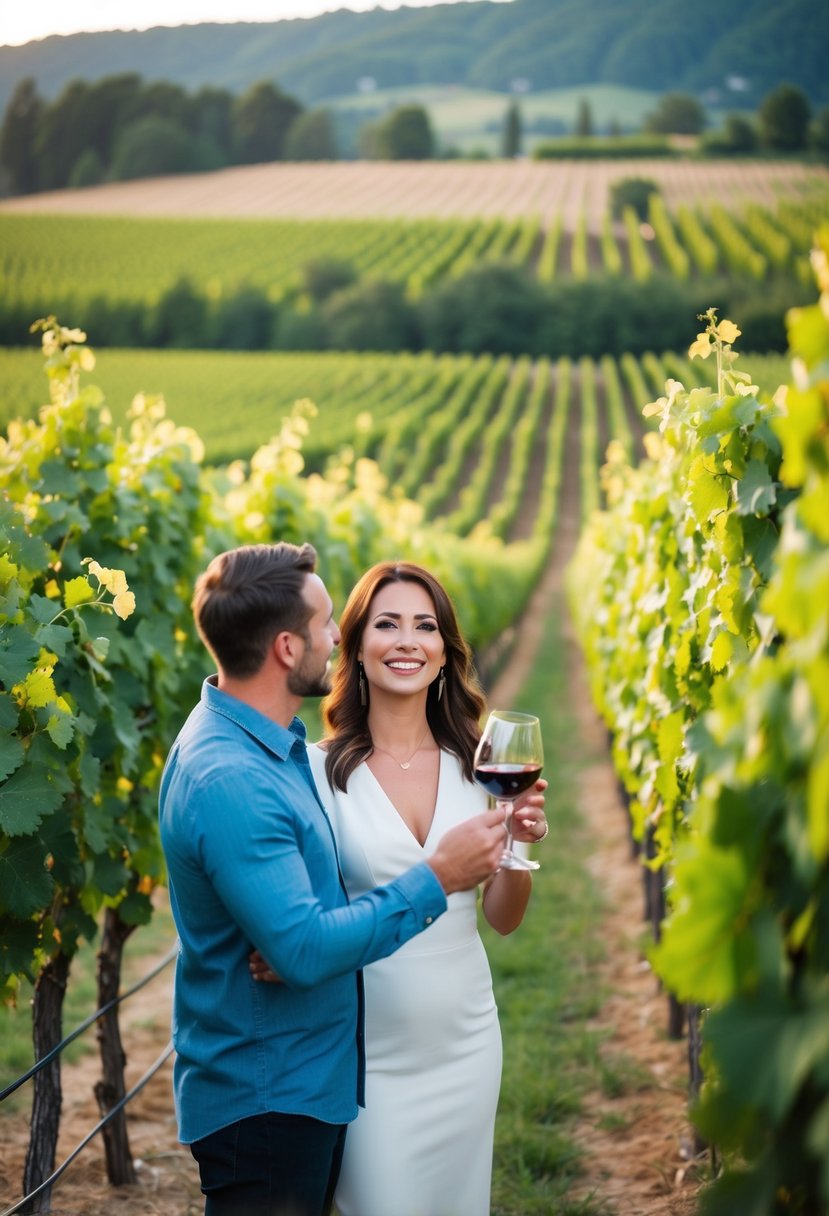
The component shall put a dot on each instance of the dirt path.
(637, 1142)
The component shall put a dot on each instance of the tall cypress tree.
(513, 132)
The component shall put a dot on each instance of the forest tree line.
(122, 127)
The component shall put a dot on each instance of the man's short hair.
(246, 596)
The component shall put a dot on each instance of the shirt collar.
(278, 739)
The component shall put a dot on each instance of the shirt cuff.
(423, 891)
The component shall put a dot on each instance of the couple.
(301, 866)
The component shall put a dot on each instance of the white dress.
(422, 1146)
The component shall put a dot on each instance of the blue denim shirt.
(251, 861)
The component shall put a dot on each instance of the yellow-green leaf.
(721, 651)
(39, 687)
(77, 591)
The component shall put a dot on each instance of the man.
(267, 1076)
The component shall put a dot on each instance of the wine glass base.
(512, 861)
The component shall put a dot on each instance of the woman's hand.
(260, 969)
(529, 823)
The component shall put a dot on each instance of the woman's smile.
(402, 646)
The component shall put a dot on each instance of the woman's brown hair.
(453, 719)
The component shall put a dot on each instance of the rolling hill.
(730, 53)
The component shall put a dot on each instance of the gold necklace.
(403, 763)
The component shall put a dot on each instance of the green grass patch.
(545, 983)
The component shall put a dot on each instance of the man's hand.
(469, 853)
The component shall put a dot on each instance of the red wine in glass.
(508, 760)
(507, 781)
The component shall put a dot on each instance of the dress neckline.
(398, 816)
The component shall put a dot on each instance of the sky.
(23, 20)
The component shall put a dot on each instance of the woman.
(394, 773)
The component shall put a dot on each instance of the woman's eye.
(428, 626)
(385, 624)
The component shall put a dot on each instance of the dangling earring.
(363, 689)
(441, 683)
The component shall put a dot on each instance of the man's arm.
(262, 877)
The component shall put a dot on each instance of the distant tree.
(374, 315)
(323, 276)
(406, 135)
(614, 128)
(512, 137)
(211, 117)
(676, 114)
(180, 318)
(740, 133)
(18, 137)
(496, 307)
(151, 147)
(784, 119)
(162, 100)
(113, 102)
(244, 321)
(86, 116)
(64, 132)
(311, 136)
(300, 329)
(631, 192)
(88, 170)
(261, 118)
(820, 131)
(584, 119)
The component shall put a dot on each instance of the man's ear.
(288, 648)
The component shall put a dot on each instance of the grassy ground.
(544, 982)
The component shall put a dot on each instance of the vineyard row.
(454, 433)
(65, 261)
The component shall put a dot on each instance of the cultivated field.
(433, 189)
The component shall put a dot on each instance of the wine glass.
(508, 760)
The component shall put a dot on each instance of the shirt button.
(428, 920)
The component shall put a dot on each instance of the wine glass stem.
(507, 806)
(511, 860)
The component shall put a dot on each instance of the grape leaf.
(8, 712)
(135, 909)
(61, 728)
(701, 956)
(755, 492)
(42, 609)
(768, 1047)
(18, 942)
(25, 799)
(18, 650)
(12, 755)
(25, 882)
(55, 637)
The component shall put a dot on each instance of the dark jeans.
(270, 1165)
